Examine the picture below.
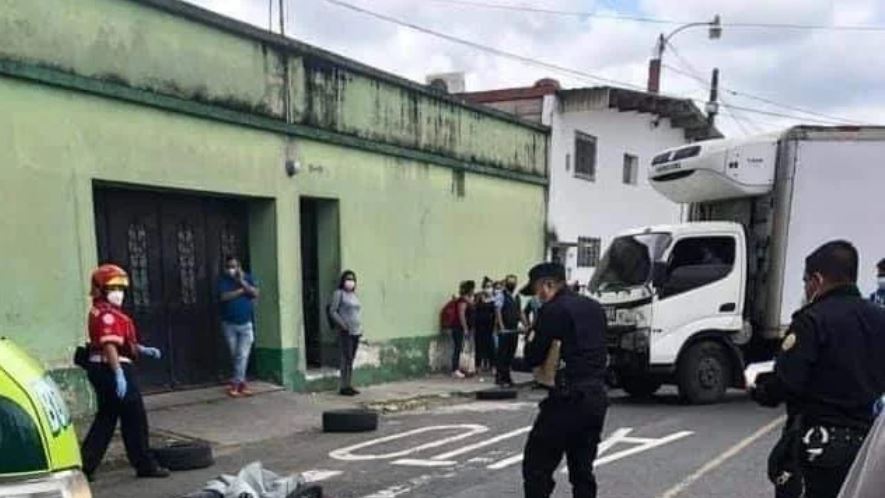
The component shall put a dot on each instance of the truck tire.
(185, 455)
(704, 373)
(638, 386)
(355, 420)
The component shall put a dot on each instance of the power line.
(486, 48)
(654, 20)
(736, 93)
(553, 67)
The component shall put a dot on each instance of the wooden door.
(173, 246)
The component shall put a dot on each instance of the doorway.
(173, 246)
(320, 266)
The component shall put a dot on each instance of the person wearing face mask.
(484, 326)
(510, 319)
(113, 347)
(878, 297)
(830, 372)
(238, 292)
(571, 418)
(345, 310)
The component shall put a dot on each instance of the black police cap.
(541, 271)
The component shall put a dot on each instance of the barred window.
(585, 156)
(588, 252)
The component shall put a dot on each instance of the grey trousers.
(348, 345)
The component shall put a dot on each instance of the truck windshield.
(628, 261)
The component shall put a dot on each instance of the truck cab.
(40, 456)
(673, 297)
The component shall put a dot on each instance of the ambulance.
(39, 454)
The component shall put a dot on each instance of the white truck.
(691, 304)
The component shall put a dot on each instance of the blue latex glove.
(121, 383)
(149, 352)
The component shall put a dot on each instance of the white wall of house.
(606, 206)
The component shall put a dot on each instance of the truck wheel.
(352, 420)
(704, 373)
(638, 386)
(185, 455)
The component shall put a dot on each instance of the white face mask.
(349, 285)
(232, 272)
(116, 297)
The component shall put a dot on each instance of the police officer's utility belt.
(831, 446)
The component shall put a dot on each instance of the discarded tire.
(185, 456)
(310, 491)
(350, 421)
(496, 394)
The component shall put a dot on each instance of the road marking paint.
(614, 438)
(320, 475)
(651, 444)
(618, 436)
(723, 457)
(347, 453)
(484, 407)
(401, 489)
(482, 444)
(506, 462)
(414, 462)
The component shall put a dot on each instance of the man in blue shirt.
(237, 292)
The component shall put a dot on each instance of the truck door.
(701, 290)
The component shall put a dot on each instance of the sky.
(763, 71)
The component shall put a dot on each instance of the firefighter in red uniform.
(113, 346)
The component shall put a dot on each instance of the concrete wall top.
(176, 49)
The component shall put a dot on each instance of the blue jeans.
(239, 339)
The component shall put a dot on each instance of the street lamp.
(714, 31)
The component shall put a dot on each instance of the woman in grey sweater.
(345, 312)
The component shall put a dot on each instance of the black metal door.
(310, 283)
(173, 246)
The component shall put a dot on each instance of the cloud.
(832, 72)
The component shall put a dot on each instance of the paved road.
(656, 448)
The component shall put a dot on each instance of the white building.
(602, 141)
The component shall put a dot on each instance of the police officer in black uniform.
(571, 417)
(830, 372)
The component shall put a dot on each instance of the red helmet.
(106, 276)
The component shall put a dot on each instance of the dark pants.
(485, 347)
(348, 345)
(130, 412)
(457, 347)
(565, 425)
(506, 351)
(825, 474)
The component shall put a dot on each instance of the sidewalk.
(209, 415)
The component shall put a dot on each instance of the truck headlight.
(68, 484)
(630, 317)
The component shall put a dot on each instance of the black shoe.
(354, 391)
(348, 391)
(155, 472)
(90, 476)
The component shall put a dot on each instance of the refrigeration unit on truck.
(691, 304)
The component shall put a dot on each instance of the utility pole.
(712, 106)
(714, 32)
(282, 18)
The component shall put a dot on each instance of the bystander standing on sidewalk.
(237, 291)
(462, 330)
(510, 318)
(484, 326)
(345, 310)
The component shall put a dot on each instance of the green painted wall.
(402, 222)
(183, 52)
